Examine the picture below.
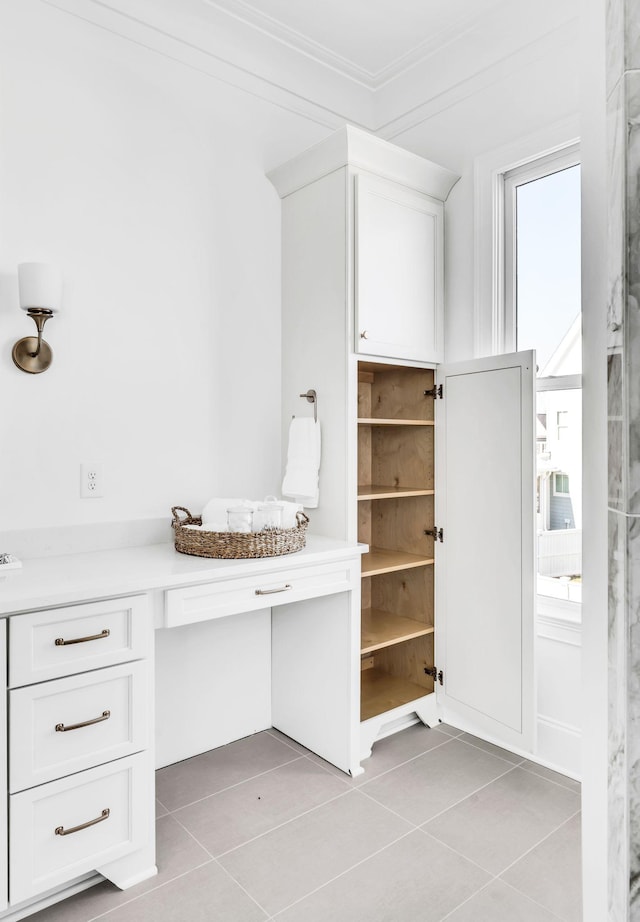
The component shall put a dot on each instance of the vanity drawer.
(54, 643)
(76, 723)
(230, 597)
(63, 829)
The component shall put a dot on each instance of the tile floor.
(440, 826)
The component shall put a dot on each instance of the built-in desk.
(240, 645)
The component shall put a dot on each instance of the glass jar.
(268, 516)
(240, 519)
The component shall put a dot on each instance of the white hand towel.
(303, 462)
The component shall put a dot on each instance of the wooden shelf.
(375, 491)
(382, 692)
(382, 629)
(379, 561)
(372, 421)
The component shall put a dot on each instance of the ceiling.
(370, 40)
(383, 65)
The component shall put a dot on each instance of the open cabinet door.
(485, 504)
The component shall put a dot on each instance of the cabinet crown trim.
(353, 147)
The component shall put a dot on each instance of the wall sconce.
(40, 287)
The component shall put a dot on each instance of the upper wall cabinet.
(380, 240)
(398, 271)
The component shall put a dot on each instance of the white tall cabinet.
(362, 324)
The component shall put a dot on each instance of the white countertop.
(49, 581)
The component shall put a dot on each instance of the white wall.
(144, 181)
(533, 96)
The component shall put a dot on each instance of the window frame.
(557, 492)
(489, 170)
(536, 168)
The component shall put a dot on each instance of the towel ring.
(312, 397)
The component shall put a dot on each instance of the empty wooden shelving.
(395, 509)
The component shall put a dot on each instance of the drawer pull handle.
(60, 642)
(60, 728)
(61, 831)
(284, 588)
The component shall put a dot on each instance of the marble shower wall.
(623, 327)
(617, 825)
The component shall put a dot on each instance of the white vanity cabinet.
(80, 770)
(220, 648)
(431, 467)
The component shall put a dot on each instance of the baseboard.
(559, 747)
(49, 899)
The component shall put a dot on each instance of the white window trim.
(491, 329)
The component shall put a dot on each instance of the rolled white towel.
(215, 526)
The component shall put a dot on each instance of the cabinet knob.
(364, 334)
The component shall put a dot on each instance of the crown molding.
(223, 48)
(444, 96)
(498, 45)
(253, 18)
(214, 38)
(373, 80)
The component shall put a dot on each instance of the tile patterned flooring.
(440, 826)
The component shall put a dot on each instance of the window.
(542, 259)
(562, 424)
(542, 311)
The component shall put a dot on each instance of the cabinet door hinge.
(435, 673)
(435, 391)
(436, 533)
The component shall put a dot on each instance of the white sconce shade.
(40, 286)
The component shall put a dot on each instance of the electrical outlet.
(91, 481)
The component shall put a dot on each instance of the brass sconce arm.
(32, 354)
(39, 315)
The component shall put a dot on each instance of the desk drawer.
(66, 828)
(54, 643)
(232, 596)
(67, 725)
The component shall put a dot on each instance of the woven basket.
(234, 545)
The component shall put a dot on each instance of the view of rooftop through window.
(548, 320)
